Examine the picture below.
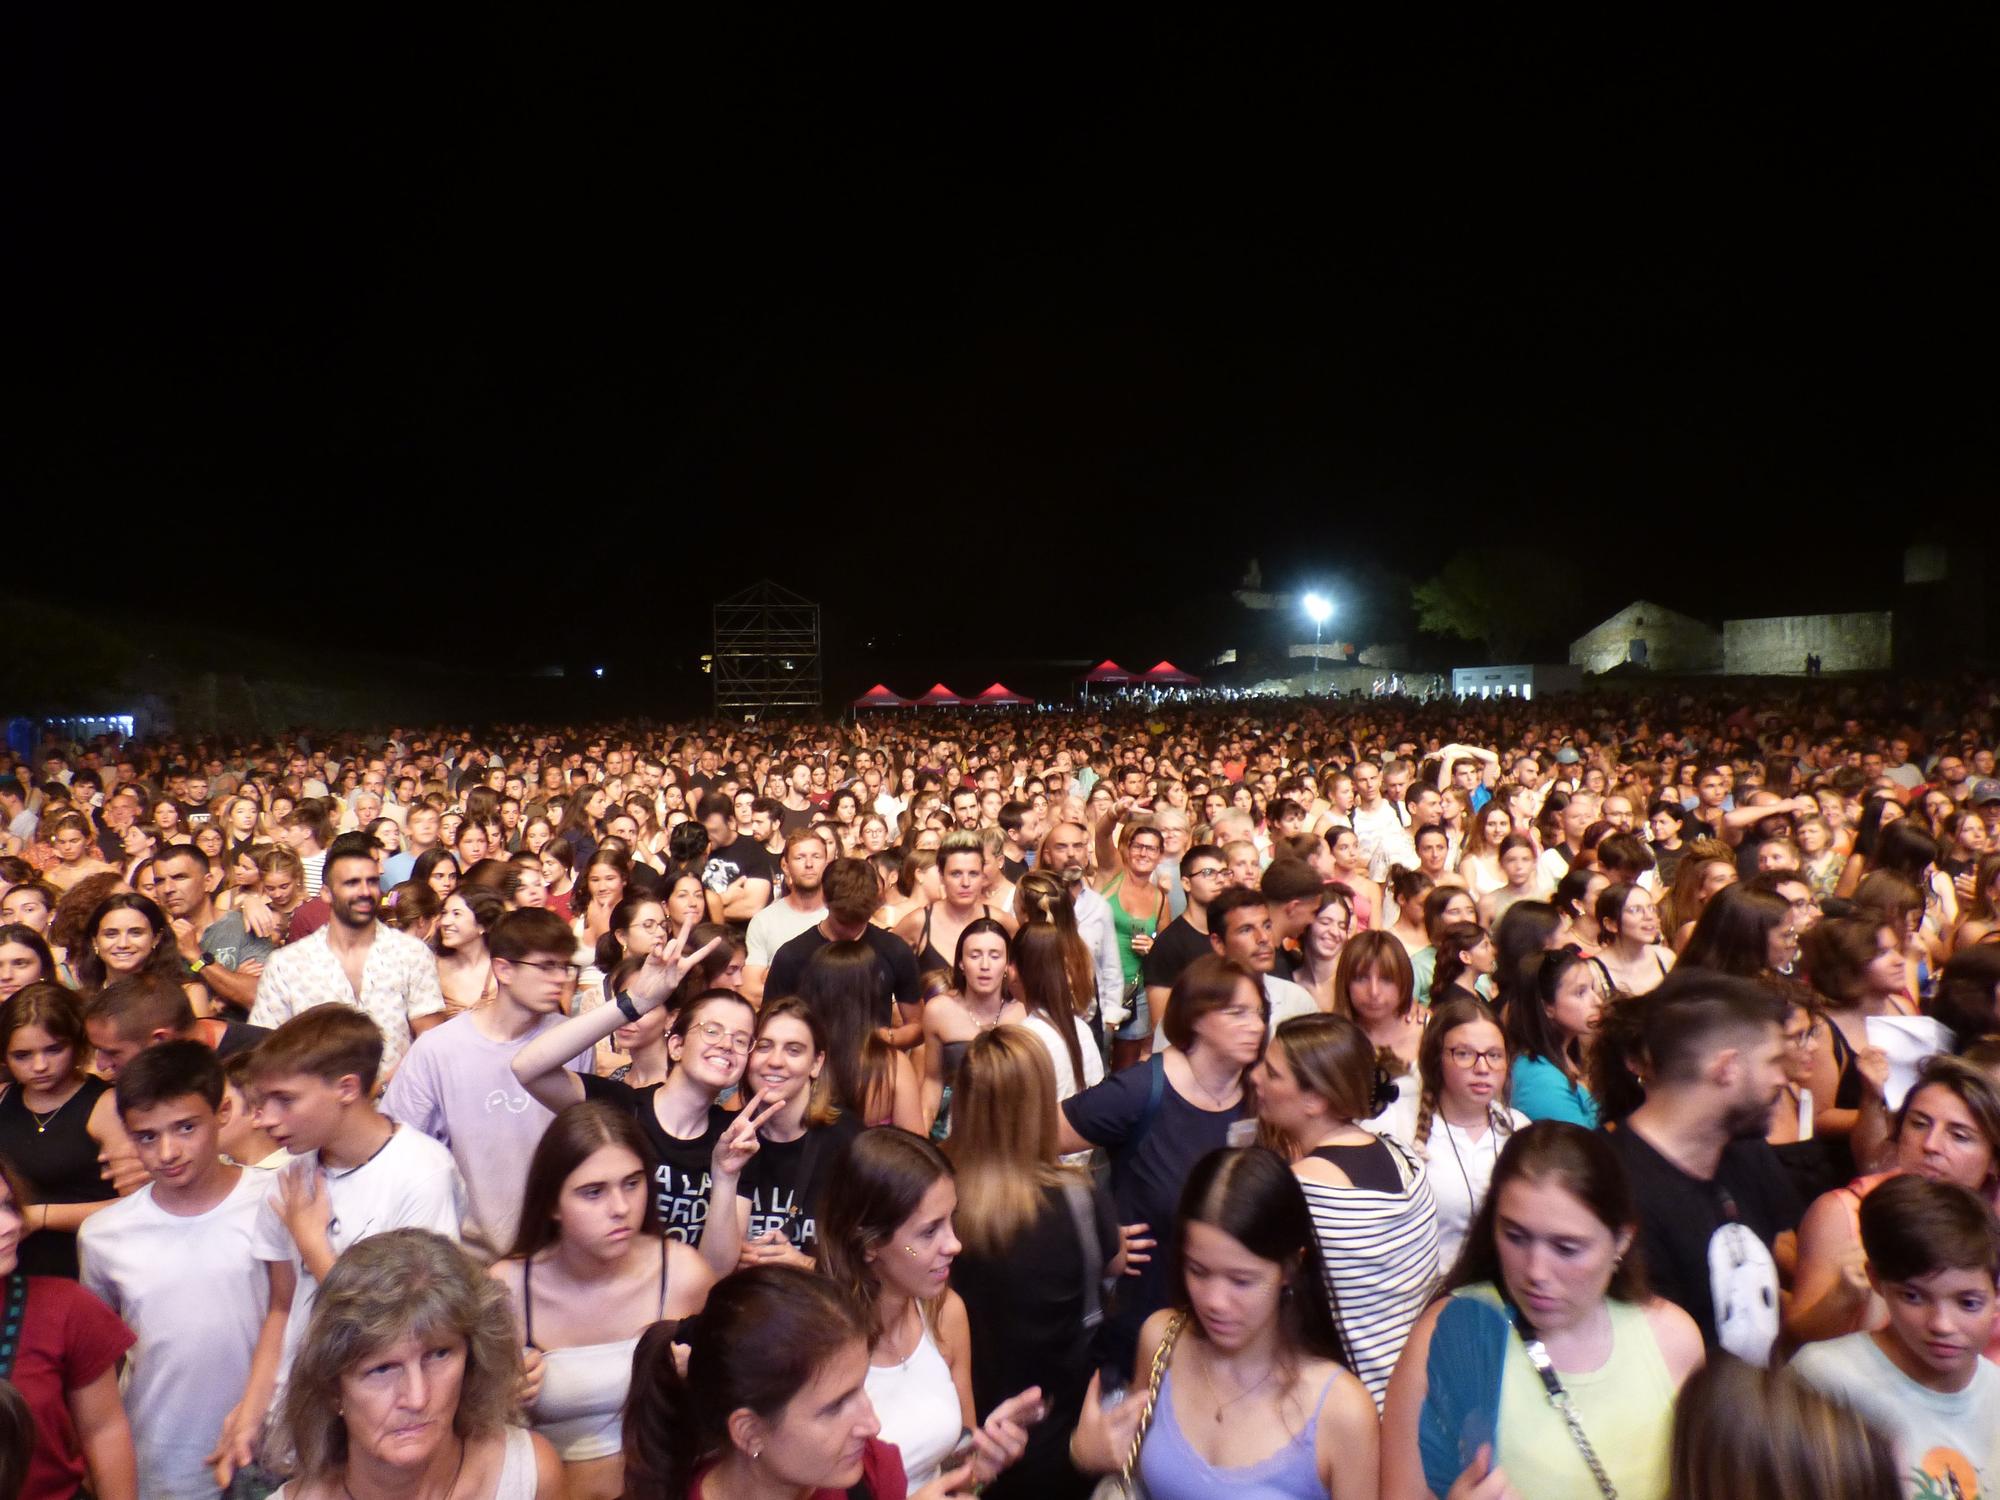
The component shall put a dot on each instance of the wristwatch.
(627, 1007)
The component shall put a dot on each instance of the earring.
(755, 1454)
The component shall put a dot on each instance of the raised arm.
(539, 1065)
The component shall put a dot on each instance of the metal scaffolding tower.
(766, 652)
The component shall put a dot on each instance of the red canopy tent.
(940, 696)
(880, 697)
(1166, 674)
(1001, 696)
(1109, 671)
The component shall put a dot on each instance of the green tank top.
(1127, 925)
(1626, 1408)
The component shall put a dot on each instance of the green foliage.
(1502, 596)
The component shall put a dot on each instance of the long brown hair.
(1003, 1143)
(572, 1137)
(1041, 962)
(1742, 1430)
(1041, 899)
(874, 1186)
(1584, 1165)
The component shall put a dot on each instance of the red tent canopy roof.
(1166, 671)
(941, 696)
(1000, 693)
(881, 697)
(1108, 671)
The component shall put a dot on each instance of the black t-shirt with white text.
(681, 1177)
(786, 1180)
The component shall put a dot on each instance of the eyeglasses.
(1465, 1057)
(712, 1032)
(560, 971)
(1803, 1040)
(1208, 872)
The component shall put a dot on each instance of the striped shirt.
(1380, 1250)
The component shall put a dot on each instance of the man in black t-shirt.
(1204, 873)
(1712, 1197)
(852, 893)
(738, 875)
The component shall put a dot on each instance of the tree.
(1502, 596)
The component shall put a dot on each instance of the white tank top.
(917, 1405)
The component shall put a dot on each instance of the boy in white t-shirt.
(356, 1173)
(1934, 1258)
(174, 1260)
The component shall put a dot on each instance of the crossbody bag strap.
(1559, 1398)
(1159, 1371)
(1083, 1213)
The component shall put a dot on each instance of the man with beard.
(354, 960)
(219, 948)
(1064, 853)
(1711, 1195)
(800, 907)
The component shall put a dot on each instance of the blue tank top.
(1174, 1471)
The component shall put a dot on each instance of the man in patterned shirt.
(354, 960)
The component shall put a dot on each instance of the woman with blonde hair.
(1039, 1240)
(408, 1382)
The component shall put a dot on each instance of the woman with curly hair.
(408, 1382)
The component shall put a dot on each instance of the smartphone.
(962, 1451)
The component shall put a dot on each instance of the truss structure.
(766, 653)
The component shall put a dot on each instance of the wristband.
(626, 1007)
(196, 965)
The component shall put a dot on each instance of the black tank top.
(59, 1159)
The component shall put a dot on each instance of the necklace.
(1208, 1374)
(1195, 1078)
(457, 1469)
(43, 1122)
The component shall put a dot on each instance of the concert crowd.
(1587, 1098)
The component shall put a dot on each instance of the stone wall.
(1843, 643)
(1674, 642)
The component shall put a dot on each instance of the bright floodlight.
(1318, 608)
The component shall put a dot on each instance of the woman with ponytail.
(772, 1401)
(1044, 981)
(1371, 1207)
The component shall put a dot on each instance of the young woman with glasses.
(1457, 1118)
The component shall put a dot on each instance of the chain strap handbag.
(1126, 1484)
(1538, 1356)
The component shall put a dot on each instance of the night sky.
(1029, 337)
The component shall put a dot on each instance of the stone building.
(1649, 636)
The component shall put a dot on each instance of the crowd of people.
(1592, 1097)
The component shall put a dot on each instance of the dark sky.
(1028, 336)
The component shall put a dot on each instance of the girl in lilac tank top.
(1255, 1400)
